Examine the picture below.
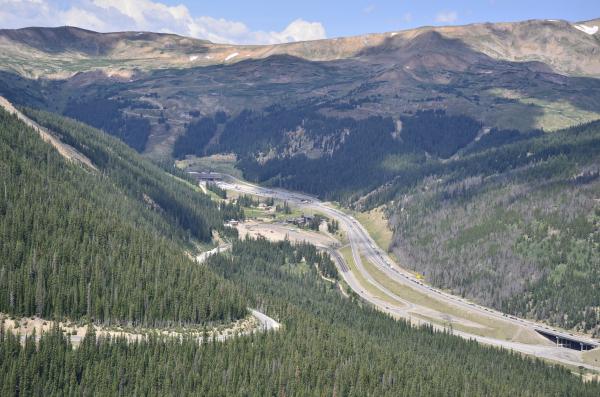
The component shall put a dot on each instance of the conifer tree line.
(216, 189)
(357, 155)
(184, 209)
(328, 345)
(86, 245)
(75, 244)
(515, 226)
(108, 115)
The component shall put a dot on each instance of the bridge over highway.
(567, 340)
(379, 280)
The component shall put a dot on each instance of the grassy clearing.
(547, 114)
(365, 284)
(233, 194)
(260, 213)
(559, 114)
(347, 255)
(342, 237)
(295, 213)
(490, 327)
(214, 196)
(592, 357)
(377, 226)
(374, 222)
(298, 269)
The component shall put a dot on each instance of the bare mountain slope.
(524, 75)
(377, 118)
(560, 44)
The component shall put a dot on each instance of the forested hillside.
(507, 217)
(287, 147)
(108, 116)
(91, 245)
(182, 206)
(328, 345)
(148, 88)
(106, 246)
(456, 134)
(514, 224)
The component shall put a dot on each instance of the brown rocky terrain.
(556, 43)
(524, 75)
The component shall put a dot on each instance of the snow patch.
(587, 29)
(193, 58)
(231, 56)
(393, 34)
(208, 57)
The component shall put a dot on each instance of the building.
(302, 220)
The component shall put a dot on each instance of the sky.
(277, 21)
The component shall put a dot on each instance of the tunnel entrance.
(566, 342)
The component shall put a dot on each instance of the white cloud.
(299, 30)
(447, 17)
(33, 11)
(148, 15)
(78, 17)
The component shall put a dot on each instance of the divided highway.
(469, 320)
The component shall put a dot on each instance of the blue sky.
(272, 21)
(352, 17)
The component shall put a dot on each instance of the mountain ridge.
(173, 50)
(529, 75)
(452, 134)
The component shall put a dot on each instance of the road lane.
(363, 246)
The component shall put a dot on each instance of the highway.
(463, 317)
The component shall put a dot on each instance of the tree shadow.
(72, 39)
(398, 76)
(473, 81)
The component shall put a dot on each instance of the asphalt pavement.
(363, 246)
